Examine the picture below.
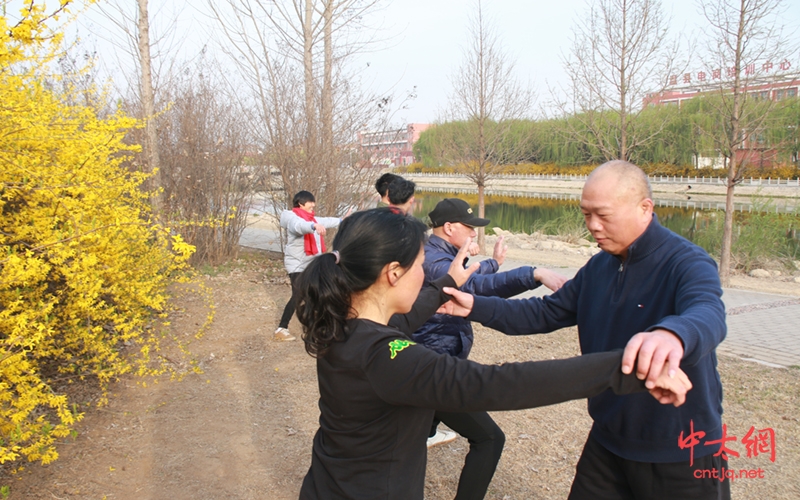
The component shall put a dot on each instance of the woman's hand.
(459, 305)
(669, 390)
(457, 271)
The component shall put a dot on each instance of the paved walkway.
(762, 327)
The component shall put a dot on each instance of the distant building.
(774, 89)
(391, 148)
(768, 81)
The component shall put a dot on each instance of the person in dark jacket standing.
(401, 194)
(658, 296)
(453, 224)
(382, 187)
(378, 388)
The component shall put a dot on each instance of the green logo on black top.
(398, 345)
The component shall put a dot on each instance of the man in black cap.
(454, 225)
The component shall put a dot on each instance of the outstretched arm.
(417, 376)
(294, 224)
(432, 296)
(516, 317)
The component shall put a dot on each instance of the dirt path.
(243, 428)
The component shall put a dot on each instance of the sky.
(534, 33)
(420, 42)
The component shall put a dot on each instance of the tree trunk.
(481, 213)
(727, 232)
(623, 90)
(733, 141)
(308, 72)
(148, 107)
(482, 118)
(328, 154)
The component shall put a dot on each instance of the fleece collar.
(442, 245)
(649, 241)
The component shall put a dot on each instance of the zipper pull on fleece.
(621, 266)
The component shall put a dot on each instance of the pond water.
(518, 214)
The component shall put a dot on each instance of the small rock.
(760, 273)
(776, 273)
(797, 279)
(796, 264)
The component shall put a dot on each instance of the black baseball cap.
(455, 210)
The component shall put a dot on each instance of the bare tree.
(143, 61)
(206, 176)
(194, 138)
(620, 52)
(488, 98)
(309, 139)
(746, 38)
(148, 105)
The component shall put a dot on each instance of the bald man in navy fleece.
(658, 296)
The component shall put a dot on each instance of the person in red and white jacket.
(305, 240)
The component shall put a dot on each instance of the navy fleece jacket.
(666, 282)
(453, 335)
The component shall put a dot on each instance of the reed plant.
(761, 238)
(569, 225)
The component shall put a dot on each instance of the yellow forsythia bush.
(83, 269)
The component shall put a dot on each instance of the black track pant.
(288, 311)
(486, 442)
(602, 475)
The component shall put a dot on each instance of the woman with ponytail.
(305, 239)
(378, 389)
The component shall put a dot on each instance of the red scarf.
(309, 241)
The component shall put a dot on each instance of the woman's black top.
(378, 392)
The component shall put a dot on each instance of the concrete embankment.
(681, 190)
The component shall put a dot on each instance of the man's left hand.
(548, 278)
(653, 350)
(500, 250)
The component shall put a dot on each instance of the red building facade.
(763, 81)
(391, 148)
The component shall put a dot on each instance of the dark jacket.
(378, 391)
(452, 335)
(666, 282)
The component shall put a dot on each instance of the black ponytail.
(323, 304)
(366, 241)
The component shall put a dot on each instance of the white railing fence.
(657, 179)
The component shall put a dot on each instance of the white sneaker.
(282, 335)
(441, 437)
